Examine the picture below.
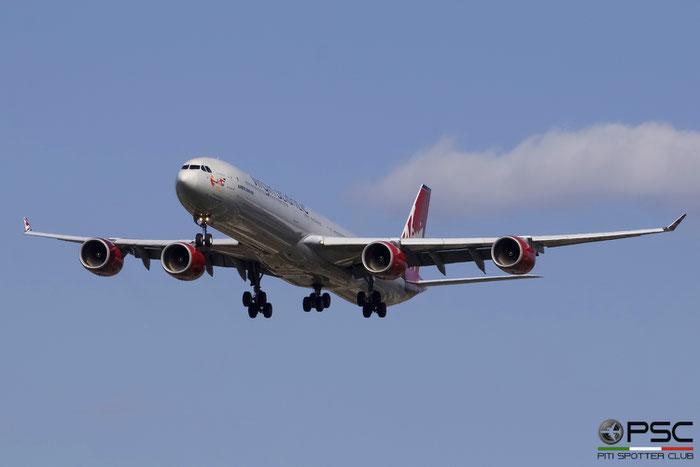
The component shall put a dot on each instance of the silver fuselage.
(271, 227)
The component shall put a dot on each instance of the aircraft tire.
(267, 310)
(381, 310)
(306, 304)
(247, 299)
(252, 311)
(326, 300)
(367, 311)
(361, 298)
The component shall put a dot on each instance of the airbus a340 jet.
(272, 234)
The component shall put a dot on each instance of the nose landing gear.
(204, 238)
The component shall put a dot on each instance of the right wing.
(347, 251)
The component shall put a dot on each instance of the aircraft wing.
(347, 251)
(225, 252)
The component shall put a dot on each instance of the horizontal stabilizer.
(470, 280)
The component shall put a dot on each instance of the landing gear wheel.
(367, 311)
(376, 297)
(252, 311)
(361, 298)
(381, 310)
(319, 303)
(306, 304)
(198, 240)
(208, 240)
(247, 299)
(326, 300)
(267, 310)
(257, 301)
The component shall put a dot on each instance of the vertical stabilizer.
(415, 225)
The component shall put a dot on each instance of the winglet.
(675, 224)
(27, 227)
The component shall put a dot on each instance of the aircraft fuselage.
(273, 226)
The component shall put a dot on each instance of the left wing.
(347, 251)
(225, 252)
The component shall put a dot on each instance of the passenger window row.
(203, 168)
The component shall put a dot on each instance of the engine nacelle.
(101, 257)
(183, 261)
(513, 255)
(384, 260)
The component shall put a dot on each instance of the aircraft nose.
(186, 184)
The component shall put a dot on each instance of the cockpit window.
(204, 169)
(194, 167)
(185, 166)
(207, 169)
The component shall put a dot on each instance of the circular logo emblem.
(610, 431)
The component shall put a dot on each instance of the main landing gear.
(371, 302)
(204, 238)
(256, 302)
(317, 300)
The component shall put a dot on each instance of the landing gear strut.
(204, 238)
(317, 300)
(257, 301)
(371, 302)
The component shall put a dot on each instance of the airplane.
(614, 432)
(272, 234)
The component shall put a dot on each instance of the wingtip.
(675, 224)
(27, 227)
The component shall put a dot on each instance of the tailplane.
(415, 225)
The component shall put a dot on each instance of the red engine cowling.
(513, 255)
(183, 261)
(101, 257)
(384, 260)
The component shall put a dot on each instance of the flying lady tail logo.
(415, 225)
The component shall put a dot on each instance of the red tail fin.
(415, 225)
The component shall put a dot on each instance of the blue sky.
(101, 103)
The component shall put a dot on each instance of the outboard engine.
(101, 257)
(513, 255)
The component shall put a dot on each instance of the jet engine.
(384, 260)
(513, 255)
(183, 261)
(101, 257)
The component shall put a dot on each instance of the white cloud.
(560, 167)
